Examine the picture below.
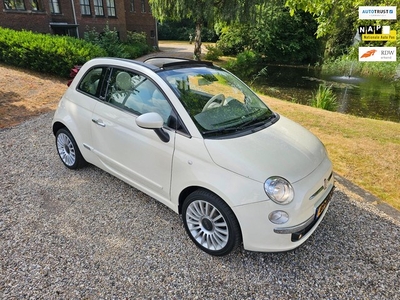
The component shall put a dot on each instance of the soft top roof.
(173, 62)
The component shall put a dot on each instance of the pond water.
(364, 97)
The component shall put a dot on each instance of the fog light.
(278, 217)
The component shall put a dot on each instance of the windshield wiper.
(257, 121)
(238, 119)
(221, 130)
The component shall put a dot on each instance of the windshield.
(217, 101)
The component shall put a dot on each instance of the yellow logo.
(380, 37)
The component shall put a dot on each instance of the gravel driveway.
(85, 234)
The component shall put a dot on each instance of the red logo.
(368, 53)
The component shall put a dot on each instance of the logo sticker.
(377, 13)
(376, 33)
(377, 53)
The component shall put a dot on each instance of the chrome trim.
(296, 228)
(316, 193)
(87, 146)
(323, 187)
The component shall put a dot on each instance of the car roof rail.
(174, 62)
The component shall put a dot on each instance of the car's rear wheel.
(210, 223)
(68, 150)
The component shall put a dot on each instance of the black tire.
(68, 150)
(210, 223)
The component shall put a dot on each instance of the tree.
(337, 20)
(274, 35)
(181, 30)
(326, 12)
(205, 11)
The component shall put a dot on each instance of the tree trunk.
(197, 39)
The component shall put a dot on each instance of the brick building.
(73, 17)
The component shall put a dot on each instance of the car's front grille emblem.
(325, 183)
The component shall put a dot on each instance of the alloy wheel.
(207, 225)
(66, 149)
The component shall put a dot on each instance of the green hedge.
(43, 52)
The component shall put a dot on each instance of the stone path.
(174, 49)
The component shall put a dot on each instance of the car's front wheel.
(210, 223)
(68, 150)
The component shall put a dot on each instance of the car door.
(136, 155)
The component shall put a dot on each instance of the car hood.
(283, 149)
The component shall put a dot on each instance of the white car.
(197, 139)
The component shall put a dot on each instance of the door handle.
(99, 122)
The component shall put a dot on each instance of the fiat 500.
(197, 139)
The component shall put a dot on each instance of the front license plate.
(323, 205)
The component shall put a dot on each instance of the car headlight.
(279, 190)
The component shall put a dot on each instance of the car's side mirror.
(153, 121)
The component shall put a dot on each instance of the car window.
(137, 94)
(90, 82)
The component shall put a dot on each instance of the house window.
(143, 6)
(111, 8)
(55, 7)
(37, 5)
(98, 7)
(132, 4)
(85, 7)
(14, 4)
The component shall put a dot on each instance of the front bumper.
(299, 231)
(260, 234)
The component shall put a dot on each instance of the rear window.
(90, 83)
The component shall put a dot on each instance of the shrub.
(136, 44)
(136, 50)
(324, 98)
(136, 38)
(234, 39)
(246, 64)
(213, 53)
(45, 53)
(108, 40)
